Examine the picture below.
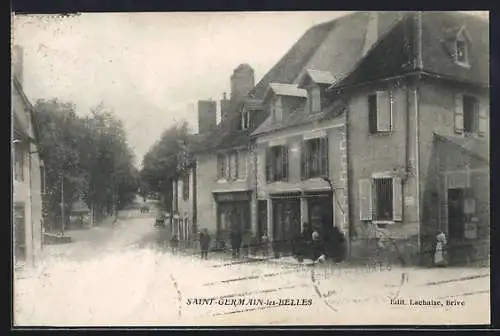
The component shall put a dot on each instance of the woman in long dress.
(439, 254)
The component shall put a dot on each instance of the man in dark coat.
(235, 237)
(204, 243)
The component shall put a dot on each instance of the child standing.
(174, 243)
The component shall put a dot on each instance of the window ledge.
(383, 222)
(463, 64)
(381, 133)
(221, 181)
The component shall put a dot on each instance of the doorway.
(261, 219)
(19, 233)
(456, 225)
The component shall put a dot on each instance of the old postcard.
(251, 168)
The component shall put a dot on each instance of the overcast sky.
(151, 68)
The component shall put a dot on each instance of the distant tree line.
(85, 158)
(160, 164)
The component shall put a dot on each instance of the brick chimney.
(379, 23)
(17, 63)
(242, 81)
(224, 107)
(207, 115)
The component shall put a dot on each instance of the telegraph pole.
(62, 204)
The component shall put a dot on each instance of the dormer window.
(314, 96)
(461, 48)
(245, 120)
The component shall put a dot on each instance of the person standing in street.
(204, 243)
(236, 242)
(439, 254)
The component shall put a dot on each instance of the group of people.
(313, 244)
(235, 238)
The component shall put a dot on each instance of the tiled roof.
(291, 90)
(21, 121)
(473, 146)
(397, 53)
(334, 46)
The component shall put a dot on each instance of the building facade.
(27, 174)
(375, 123)
(417, 116)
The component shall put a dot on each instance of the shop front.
(286, 222)
(233, 214)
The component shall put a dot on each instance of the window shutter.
(459, 114)
(383, 111)
(284, 153)
(303, 159)
(236, 165)
(365, 199)
(268, 165)
(324, 155)
(397, 199)
(483, 119)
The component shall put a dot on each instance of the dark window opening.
(383, 198)
(461, 51)
(278, 163)
(185, 187)
(471, 114)
(372, 113)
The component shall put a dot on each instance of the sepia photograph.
(217, 169)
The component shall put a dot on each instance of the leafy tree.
(160, 163)
(87, 156)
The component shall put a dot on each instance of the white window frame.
(396, 217)
(462, 37)
(245, 119)
(390, 97)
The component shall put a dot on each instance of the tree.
(87, 156)
(161, 161)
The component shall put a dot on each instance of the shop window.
(277, 163)
(185, 187)
(19, 157)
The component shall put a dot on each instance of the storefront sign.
(232, 196)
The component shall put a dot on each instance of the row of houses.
(376, 123)
(27, 172)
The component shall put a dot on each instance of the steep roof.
(409, 47)
(331, 46)
(22, 121)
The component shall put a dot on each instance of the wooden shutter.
(459, 114)
(284, 153)
(397, 199)
(324, 155)
(483, 119)
(365, 199)
(303, 160)
(383, 111)
(268, 164)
